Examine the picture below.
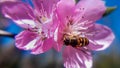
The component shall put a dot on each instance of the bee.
(75, 41)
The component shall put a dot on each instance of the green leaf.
(109, 11)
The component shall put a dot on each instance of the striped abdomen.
(76, 41)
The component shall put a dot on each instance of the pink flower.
(7, 0)
(79, 20)
(39, 24)
(51, 21)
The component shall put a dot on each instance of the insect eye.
(67, 41)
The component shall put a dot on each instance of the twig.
(7, 34)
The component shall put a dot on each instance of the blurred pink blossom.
(7, 0)
(79, 20)
(39, 24)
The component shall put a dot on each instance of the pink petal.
(46, 5)
(91, 9)
(26, 40)
(25, 23)
(17, 10)
(43, 46)
(93, 45)
(77, 58)
(65, 8)
(20, 13)
(55, 22)
(52, 23)
(8, 0)
(103, 37)
(58, 38)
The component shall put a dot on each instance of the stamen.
(79, 17)
(38, 19)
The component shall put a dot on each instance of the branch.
(7, 34)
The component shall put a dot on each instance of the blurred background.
(11, 57)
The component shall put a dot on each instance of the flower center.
(38, 28)
(78, 27)
(74, 33)
(43, 19)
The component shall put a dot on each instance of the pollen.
(44, 19)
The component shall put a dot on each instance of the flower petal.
(75, 58)
(45, 5)
(93, 45)
(91, 9)
(8, 0)
(103, 37)
(25, 23)
(65, 8)
(19, 12)
(26, 40)
(51, 23)
(58, 38)
(43, 46)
